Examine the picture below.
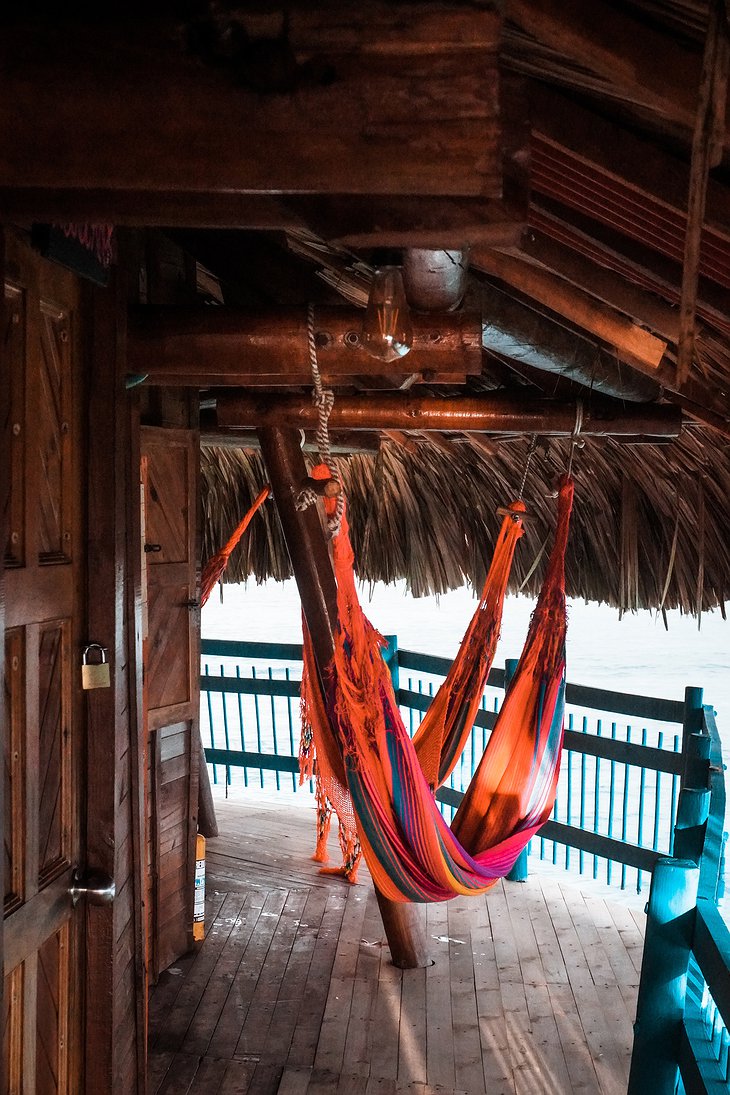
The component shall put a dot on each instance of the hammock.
(412, 853)
(218, 562)
(444, 729)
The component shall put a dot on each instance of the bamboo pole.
(403, 922)
(495, 413)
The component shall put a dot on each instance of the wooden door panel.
(14, 769)
(14, 375)
(168, 652)
(52, 408)
(55, 749)
(167, 505)
(52, 1014)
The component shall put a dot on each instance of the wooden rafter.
(707, 148)
(631, 342)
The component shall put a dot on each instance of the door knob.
(96, 886)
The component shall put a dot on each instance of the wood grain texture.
(427, 125)
(532, 988)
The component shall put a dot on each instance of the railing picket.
(294, 750)
(273, 728)
(657, 796)
(640, 827)
(225, 730)
(625, 806)
(258, 725)
(241, 726)
(568, 811)
(597, 797)
(209, 698)
(582, 794)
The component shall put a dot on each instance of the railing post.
(390, 657)
(519, 870)
(663, 983)
(692, 724)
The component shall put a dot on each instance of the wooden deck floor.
(533, 987)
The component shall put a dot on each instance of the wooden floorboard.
(532, 990)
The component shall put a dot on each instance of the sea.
(635, 652)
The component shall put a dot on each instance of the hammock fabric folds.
(411, 852)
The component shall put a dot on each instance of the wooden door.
(44, 735)
(170, 476)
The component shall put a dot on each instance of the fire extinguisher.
(199, 903)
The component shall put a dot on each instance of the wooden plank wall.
(116, 936)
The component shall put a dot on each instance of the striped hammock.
(370, 770)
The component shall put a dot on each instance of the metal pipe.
(495, 414)
(516, 331)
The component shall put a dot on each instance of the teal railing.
(641, 794)
(620, 776)
(682, 1030)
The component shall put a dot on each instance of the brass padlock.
(95, 674)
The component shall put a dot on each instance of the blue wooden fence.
(615, 809)
(641, 794)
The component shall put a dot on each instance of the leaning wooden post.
(663, 984)
(519, 870)
(315, 580)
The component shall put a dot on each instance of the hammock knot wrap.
(372, 772)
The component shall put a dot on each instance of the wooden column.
(315, 579)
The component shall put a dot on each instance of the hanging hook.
(575, 434)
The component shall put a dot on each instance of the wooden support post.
(316, 583)
(519, 870)
(692, 776)
(663, 984)
(207, 821)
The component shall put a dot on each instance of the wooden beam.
(493, 414)
(222, 346)
(315, 579)
(630, 342)
(645, 68)
(378, 99)
(709, 122)
(601, 282)
(358, 222)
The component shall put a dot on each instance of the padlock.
(95, 674)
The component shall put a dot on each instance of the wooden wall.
(74, 1003)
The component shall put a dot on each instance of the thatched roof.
(589, 232)
(649, 527)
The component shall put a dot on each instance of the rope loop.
(323, 399)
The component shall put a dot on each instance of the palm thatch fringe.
(651, 526)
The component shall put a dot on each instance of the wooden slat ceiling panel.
(558, 174)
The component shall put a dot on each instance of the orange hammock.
(411, 852)
(218, 562)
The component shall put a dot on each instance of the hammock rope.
(216, 565)
(411, 852)
(323, 399)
